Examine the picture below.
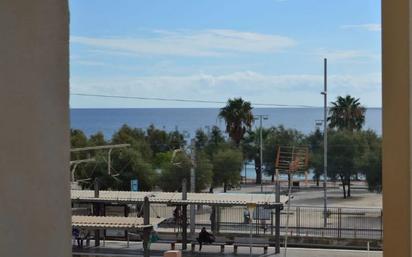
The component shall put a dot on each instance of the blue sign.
(134, 185)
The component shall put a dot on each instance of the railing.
(304, 221)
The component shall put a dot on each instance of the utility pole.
(261, 117)
(325, 142)
(192, 188)
(101, 147)
(75, 164)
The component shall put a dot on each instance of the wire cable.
(185, 100)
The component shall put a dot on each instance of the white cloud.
(368, 26)
(213, 42)
(294, 89)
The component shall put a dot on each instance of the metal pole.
(245, 173)
(325, 142)
(96, 211)
(109, 161)
(146, 231)
(192, 189)
(184, 216)
(261, 154)
(250, 234)
(277, 214)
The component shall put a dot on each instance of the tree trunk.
(258, 170)
(343, 186)
(348, 183)
(224, 188)
(273, 177)
(211, 190)
(317, 180)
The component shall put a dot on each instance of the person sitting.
(75, 235)
(205, 237)
(81, 235)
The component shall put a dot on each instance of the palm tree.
(238, 117)
(346, 113)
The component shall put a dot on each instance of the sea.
(188, 120)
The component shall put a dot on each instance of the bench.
(256, 242)
(220, 241)
(166, 241)
(169, 239)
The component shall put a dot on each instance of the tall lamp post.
(261, 117)
(325, 141)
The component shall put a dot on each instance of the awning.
(111, 222)
(175, 198)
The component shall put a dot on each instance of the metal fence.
(304, 221)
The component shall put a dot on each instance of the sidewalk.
(120, 249)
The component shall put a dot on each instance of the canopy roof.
(103, 222)
(175, 198)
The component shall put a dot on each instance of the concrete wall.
(34, 129)
(396, 127)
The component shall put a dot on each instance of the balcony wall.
(34, 129)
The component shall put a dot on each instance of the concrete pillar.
(397, 128)
(34, 132)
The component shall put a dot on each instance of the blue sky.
(266, 51)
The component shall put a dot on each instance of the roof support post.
(96, 212)
(146, 231)
(213, 219)
(184, 215)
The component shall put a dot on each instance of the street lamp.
(325, 141)
(261, 117)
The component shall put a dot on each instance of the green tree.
(97, 139)
(215, 142)
(216, 136)
(227, 164)
(78, 140)
(176, 140)
(136, 138)
(203, 171)
(278, 136)
(370, 162)
(201, 139)
(157, 139)
(238, 117)
(174, 171)
(129, 164)
(343, 151)
(315, 143)
(346, 113)
(251, 149)
(161, 160)
(374, 171)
